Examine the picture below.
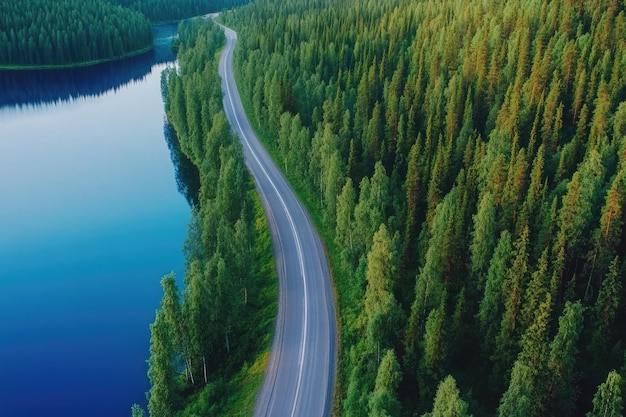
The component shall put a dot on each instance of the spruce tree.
(448, 402)
(381, 309)
(517, 400)
(604, 312)
(607, 402)
(384, 401)
(562, 361)
(492, 303)
(484, 237)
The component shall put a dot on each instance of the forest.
(50, 33)
(46, 32)
(467, 163)
(168, 10)
(210, 340)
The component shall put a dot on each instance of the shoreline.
(81, 64)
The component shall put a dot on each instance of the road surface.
(301, 374)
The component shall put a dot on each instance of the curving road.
(301, 374)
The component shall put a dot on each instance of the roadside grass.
(246, 384)
(234, 392)
(340, 281)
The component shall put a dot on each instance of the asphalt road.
(301, 374)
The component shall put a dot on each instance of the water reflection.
(187, 175)
(41, 87)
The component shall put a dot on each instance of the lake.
(90, 220)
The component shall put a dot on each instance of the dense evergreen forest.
(468, 161)
(209, 342)
(50, 33)
(168, 10)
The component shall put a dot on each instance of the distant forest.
(49, 33)
(468, 159)
(169, 10)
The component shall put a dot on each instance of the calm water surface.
(90, 219)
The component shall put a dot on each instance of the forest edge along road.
(301, 373)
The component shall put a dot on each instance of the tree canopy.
(489, 138)
(50, 33)
(211, 327)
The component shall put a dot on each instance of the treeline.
(203, 335)
(469, 161)
(168, 10)
(50, 33)
(56, 33)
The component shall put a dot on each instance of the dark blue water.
(90, 219)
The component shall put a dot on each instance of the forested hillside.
(51, 33)
(209, 342)
(468, 159)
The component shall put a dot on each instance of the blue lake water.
(90, 219)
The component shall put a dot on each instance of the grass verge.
(340, 282)
(234, 392)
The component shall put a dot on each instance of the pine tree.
(600, 120)
(371, 209)
(484, 237)
(434, 277)
(536, 291)
(575, 214)
(608, 235)
(381, 309)
(512, 288)
(604, 312)
(517, 400)
(137, 411)
(414, 194)
(562, 361)
(384, 401)
(434, 343)
(344, 229)
(607, 402)
(492, 303)
(534, 354)
(448, 402)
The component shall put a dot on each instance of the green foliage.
(604, 312)
(484, 236)
(384, 401)
(517, 400)
(608, 399)
(163, 398)
(137, 411)
(494, 132)
(168, 10)
(49, 33)
(506, 346)
(562, 359)
(534, 354)
(492, 304)
(448, 402)
(434, 347)
(382, 311)
(205, 337)
(45, 32)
